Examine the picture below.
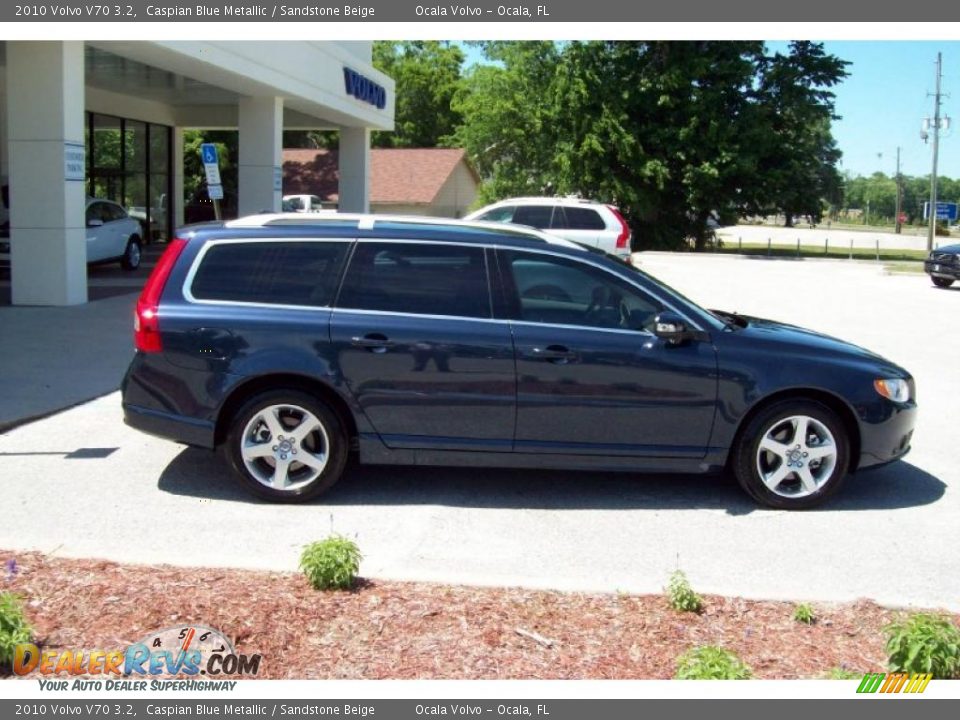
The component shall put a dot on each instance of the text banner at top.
(483, 11)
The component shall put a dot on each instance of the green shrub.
(804, 613)
(681, 595)
(331, 564)
(709, 662)
(14, 628)
(924, 643)
(839, 673)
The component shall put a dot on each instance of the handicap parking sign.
(208, 151)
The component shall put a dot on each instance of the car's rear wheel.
(792, 455)
(287, 446)
(942, 282)
(131, 254)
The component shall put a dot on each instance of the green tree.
(672, 132)
(664, 140)
(508, 126)
(427, 76)
(797, 154)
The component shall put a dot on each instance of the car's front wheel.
(287, 446)
(792, 455)
(131, 254)
(942, 282)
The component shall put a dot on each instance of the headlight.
(895, 389)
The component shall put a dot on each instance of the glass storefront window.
(129, 163)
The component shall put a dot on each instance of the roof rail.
(368, 222)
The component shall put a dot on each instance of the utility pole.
(932, 230)
(899, 194)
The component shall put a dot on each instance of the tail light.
(146, 321)
(623, 239)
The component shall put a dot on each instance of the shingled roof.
(397, 175)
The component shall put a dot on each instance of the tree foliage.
(427, 75)
(876, 196)
(672, 132)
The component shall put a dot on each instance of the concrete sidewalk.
(55, 357)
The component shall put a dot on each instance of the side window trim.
(558, 221)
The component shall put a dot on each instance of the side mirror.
(94, 222)
(670, 327)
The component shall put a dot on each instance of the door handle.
(374, 342)
(557, 354)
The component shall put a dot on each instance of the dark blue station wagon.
(291, 342)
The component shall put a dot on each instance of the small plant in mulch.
(681, 596)
(924, 643)
(804, 613)
(14, 628)
(841, 673)
(709, 662)
(331, 564)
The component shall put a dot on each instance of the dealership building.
(107, 119)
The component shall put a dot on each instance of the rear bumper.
(889, 438)
(178, 428)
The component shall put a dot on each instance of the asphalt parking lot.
(80, 483)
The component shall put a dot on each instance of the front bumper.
(939, 268)
(888, 438)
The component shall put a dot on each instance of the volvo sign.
(365, 89)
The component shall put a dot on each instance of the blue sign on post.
(945, 211)
(208, 152)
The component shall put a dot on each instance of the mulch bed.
(401, 630)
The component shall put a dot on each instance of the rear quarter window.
(270, 272)
(575, 218)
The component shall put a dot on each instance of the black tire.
(942, 282)
(132, 254)
(772, 423)
(332, 439)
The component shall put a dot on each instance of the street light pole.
(932, 230)
(899, 194)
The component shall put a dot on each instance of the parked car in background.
(306, 204)
(583, 221)
(943, 265)
(293, 341)
(112, 234)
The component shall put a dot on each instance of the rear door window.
(415, 278)
(537, 216)
(270, 272)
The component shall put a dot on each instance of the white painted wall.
(457, 194)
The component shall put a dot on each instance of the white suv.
(583, 221)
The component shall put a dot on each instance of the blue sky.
(883, 102)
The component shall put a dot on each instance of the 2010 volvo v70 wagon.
(291, 341)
